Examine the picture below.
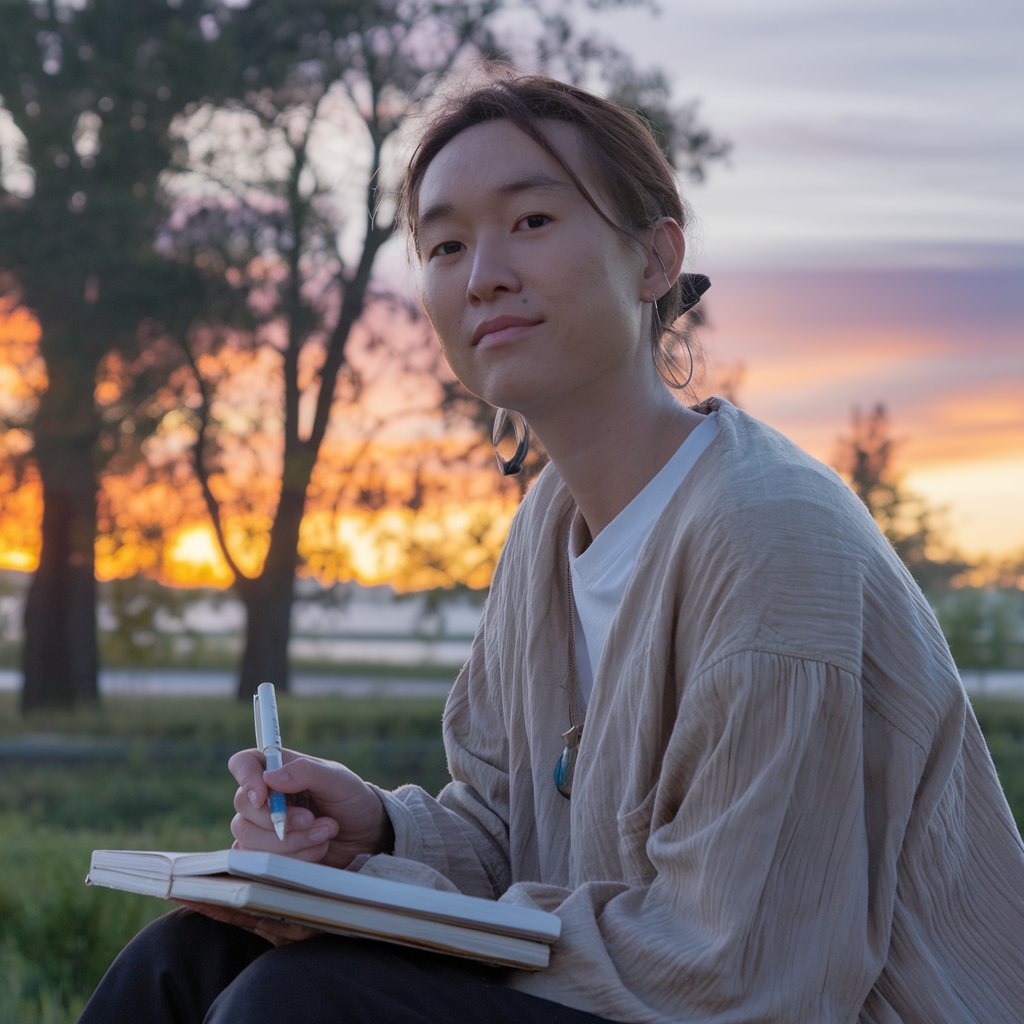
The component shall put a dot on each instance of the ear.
(664, 258)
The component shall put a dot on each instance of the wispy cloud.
(866, 240)
(943, 349)
(855, 124)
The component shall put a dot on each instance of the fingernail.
(320, 833)
(254, 798)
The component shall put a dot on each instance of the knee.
(185, 931)
(275, 985)
(169, 937)
(178, 963)
(328, 978)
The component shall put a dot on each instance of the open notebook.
(333, 900)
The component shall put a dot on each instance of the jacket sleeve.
(463, 833)
(763, 902)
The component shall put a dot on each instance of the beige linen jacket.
(783, 810)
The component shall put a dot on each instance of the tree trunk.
(268, 613)
(59, 655)
(268, 601)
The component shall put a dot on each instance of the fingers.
(301, 773)
(256, 810)
(332, 814)
(306, 837)
(336, 793)
(306, 834)
(248, 768)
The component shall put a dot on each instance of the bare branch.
(198, 449)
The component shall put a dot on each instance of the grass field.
(150, 773)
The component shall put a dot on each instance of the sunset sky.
(866, 238)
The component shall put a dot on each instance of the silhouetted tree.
(299, 225)
(865, 457)
(217, 175)
(89, 92)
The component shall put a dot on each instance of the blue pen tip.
(278, 813)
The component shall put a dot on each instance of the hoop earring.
(668, 368)
(691, 289)
(504, 418)
(659, 327)
(664, 362)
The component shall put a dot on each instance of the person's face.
(535, 298)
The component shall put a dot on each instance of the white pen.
(268, 740)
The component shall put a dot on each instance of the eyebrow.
(531, 183)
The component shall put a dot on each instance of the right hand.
(333, 815)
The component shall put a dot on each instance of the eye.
(533, 221)
(446, 249)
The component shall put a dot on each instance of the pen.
(268, 740)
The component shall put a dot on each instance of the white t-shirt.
(601, 572)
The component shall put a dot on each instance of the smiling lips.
(500, 328)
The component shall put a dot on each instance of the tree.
(89, 91)
(262, 254)
(299, 226)
(866, 458)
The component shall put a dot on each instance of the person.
(708, 719)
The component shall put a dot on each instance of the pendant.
(565, 768)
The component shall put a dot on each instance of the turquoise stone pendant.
(565, 768)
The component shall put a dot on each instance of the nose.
(491, 274)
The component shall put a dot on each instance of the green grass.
(151, 773)
(146, 773)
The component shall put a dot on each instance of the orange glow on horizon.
(19, 561)
(193, 559)
(410, 551)
(960, 450)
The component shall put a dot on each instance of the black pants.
(185, 969)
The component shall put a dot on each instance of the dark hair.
(622, 149)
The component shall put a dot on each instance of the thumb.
(333, 791)
(302, 773)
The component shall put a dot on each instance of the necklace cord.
(575, 717)
(565, 767)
